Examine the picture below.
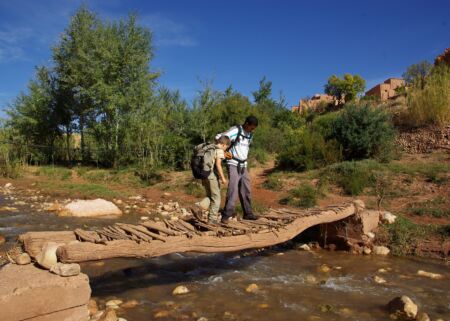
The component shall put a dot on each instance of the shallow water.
(291, 284)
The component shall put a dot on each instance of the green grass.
(304, 196)
(83, 190)
(436, 207)
(273, 182)
(257, 207)
(57, 172)
(404, 235)
(195, 188)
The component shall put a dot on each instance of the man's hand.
(228, 155)
(223, 181)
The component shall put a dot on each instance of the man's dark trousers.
(238, 185)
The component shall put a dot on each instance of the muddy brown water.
(291, 284)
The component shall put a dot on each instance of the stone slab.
(28, 292)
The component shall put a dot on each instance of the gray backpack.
(198, 160)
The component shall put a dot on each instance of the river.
(291, 284)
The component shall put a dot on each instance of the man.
(239, 179)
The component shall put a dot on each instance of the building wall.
(386, 90)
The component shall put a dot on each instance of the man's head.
(223, 142)
(250, 124)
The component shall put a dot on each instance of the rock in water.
(402, 308)
(8, 185)
(181, 289)
(47, 257)
(252, 288)
(422, 317)
(108, 315)
(23, 259)
(380, 250)
(379, 279)
(66, 269)
(90, 208)
(430, 275)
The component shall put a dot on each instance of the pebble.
(108, 315)
(62, 269)
(161, 314)
(371, 235)
(113, 304)
(379, 279)
(130, 304)
(430, 275)
(8, 185)
(311, 279)
(47, 257)
(380, 250)
(388, 217)
(145, 218)
(367, 250)
(324, 268)
(92, 307)
(402, 307)
(23, 259)
(252, 288)
(422, 316)
(304, 247)
(121, 319)
(181, 289)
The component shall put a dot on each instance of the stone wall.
(424, 140)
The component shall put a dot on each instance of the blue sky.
(295, 44)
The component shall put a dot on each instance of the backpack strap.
(240, 162)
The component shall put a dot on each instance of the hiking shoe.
(197, 212)
(225, 220)
(250, 217)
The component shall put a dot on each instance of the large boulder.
(32, 294)
(90, 208)
(403, 308)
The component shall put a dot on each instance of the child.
(213, 162)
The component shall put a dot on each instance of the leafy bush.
(363, 132)
(324, 124)
(353, 177)
(304, 196)
(273, 182)
(260, 155)
(54, 172)
(430, 104)
(305, 149)
(195, 188)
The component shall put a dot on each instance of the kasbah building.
(384, 91)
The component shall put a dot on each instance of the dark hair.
(251, 120)
(224, 140)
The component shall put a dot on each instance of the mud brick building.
(386, 90)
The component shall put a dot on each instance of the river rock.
(181, 289)
(402, 308)
(422, 316)
(430, 275)
(121, 319)
(47, 257)
(92, 307)
(324, 268)
(388, 217)
(90, 208)
(23, 259)
(108, 315)
(8, 185)
(161, 314)
(379, 279)
(66, 269)
(367, 250)
(304, 247)
(113, 304)
(380, 250)
(129, 304)
(252, 288)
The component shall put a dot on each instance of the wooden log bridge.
(156, 238)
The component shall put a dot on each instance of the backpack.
(197, 160)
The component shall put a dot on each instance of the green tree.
(33, 116)
(346, 88)
(264, 91)
(416, 73)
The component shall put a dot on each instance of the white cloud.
(168, 32)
